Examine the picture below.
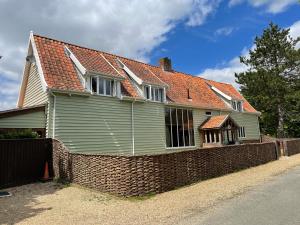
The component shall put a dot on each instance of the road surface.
(272, 203)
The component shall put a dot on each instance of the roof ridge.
(111, 54)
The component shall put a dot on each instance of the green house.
(96, 102)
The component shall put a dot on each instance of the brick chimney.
(165, 64)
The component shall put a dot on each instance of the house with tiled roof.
(97, 102)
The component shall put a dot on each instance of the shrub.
(19, 134)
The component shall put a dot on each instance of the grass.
(142, 197)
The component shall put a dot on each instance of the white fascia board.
(224, 120)
(221, 93)
(76, 61)
(24, 78)
(111, 65)
(131, 74)
(38, 63)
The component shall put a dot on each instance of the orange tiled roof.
(59, 72)
(214, 122)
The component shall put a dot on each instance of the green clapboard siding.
(199, 117)
(96, 124)
(28, 120)
(93, 124)
(34, 94)
(250, 122)
(149, 128)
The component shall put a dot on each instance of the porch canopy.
(219, 130)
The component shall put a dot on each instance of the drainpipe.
(53, 115)
(132, 126)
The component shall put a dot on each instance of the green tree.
(271, 82)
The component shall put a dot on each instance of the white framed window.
(155, 94)
(242, 133)
(179, 128)
(102, 86)
(237, 105)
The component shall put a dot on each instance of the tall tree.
(271, 82)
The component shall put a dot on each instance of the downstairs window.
(242, 133)
(179, 127)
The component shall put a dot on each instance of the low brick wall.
(139, 175)
(292, 147)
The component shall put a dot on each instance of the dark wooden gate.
(23, 161)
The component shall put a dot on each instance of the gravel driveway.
(52, 203)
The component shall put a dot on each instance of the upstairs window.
(102, 86)
(154, 93)
(147, 92)
(237, 105)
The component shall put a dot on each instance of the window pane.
(208, 136)
(212, 136)
(180, 127)
(101, 86)
(191, 126)
(174, 127)
(146, 92)
(152, 94)
(108, 90)
(156, 95)
(161, 95)
(186, 128)
(168, 128)
(94, 84)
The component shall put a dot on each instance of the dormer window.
(102, 86)
(155, 94)
(237, 105)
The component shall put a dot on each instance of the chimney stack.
(165, 64)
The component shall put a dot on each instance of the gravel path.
(52, 203)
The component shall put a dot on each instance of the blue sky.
(194, 49)
(202, 37)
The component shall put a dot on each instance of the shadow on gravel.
(24, 201)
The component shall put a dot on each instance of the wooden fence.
(23, 161)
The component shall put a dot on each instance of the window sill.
(149, 100)
(111, 96)
(178, 148)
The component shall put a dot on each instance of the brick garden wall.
(292, 147)
(139, 175)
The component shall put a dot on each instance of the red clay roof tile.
(214, 122)
(60, 73)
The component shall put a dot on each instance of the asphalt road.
(272, 203)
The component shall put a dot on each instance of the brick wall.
(292, 147)
(139, 175)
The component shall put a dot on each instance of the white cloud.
(272, 6)
(131, 28)
(234, 2)
(226, 72)
(224, 31)
(200, 10)
(295, 32)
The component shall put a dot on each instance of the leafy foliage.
(272, 81)
(19, 134)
